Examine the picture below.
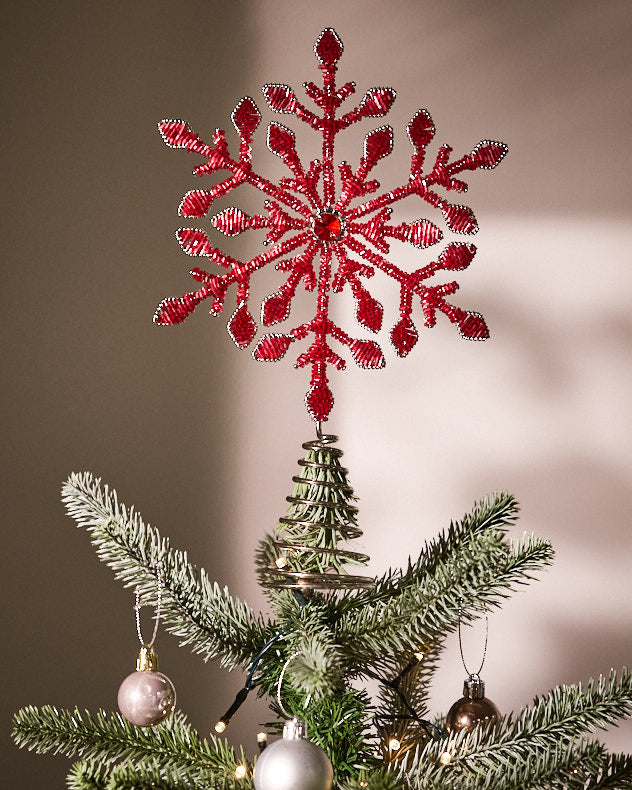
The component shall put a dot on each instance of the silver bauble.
(293, 763)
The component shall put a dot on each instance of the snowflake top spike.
(323, 238)
(328, 48)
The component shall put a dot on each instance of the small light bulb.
(240, 771)
(220, 726)
(418, 655)
(262, 737)
(446, 758)
(364, 784)
(281, 562)
(394, 744)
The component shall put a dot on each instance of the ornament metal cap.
(294, 730)
(474, 687)
(147, 660)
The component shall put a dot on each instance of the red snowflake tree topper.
(326, 237)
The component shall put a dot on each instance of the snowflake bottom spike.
(327, 233)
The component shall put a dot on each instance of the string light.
(220, 726)
(394, 744)
(262, 740)
(446, 758)
(419, 655)
(240, 771)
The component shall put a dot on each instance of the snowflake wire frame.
(323, 239)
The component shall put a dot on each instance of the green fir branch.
(109, 738)
(415, 673)
(338, 723)
(265, 557)
(197, 611)
(525, 751)
(90, 775)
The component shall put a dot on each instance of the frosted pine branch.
(319, 668)
(472, 567)
(87, 775)
(414, 686)
(524, 751)
(549, 767)
(91, 775)
(460, 543)
(197, 611)
(109, 738)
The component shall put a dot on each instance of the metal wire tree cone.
(305, 554)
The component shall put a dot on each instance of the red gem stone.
(327, 226)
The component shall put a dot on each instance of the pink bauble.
(146, 698)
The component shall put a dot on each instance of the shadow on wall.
(548, 353)
(582, 503)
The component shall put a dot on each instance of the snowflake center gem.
(327, 225)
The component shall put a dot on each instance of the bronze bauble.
(473, 708)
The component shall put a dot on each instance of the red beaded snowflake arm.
(321, 242)
(231, 221)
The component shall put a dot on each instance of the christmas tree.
(331, 629)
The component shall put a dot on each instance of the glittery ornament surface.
(327, 231)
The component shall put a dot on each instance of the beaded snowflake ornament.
(325, 232)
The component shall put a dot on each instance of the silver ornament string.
(476, 674)
(138, 606)
(280, 682)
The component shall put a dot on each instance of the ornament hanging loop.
(473, 707)
(474, 676)
(147, 697)
(139, 605)
(280, 683)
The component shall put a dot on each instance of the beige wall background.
(202, 439)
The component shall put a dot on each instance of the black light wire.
(431, 729)
(241, 695)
